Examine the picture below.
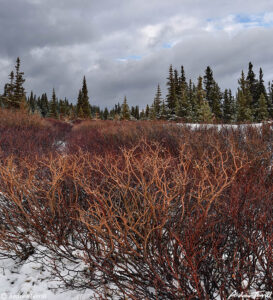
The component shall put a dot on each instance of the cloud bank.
(125, 47)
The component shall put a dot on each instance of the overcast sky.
(125, 47)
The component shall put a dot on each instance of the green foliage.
(209, 84)
(53, 111)
(228, 107)
(125, 111)
(183, 107)
(244, 112)
(172, 88)
(105, 113)
(204, 113)
(157, 102)
(262, 113)
(83, 106)
(14, 93)
(85, 100)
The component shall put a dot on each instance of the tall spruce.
(152, 114)
(105, 113)
(270, 100)
(182, 79)
(79, 105)
(262, 113)
(200, 93)
(245, 110)
(19, 91)
(14, 93)
(9, 91)
(171, 96)
(204, 114)
(125, 111)
(183, 107)
(85, 100)
(176, 83)
(227, 107)
(208, 84)
(147, 112)
(137, 112)
(44, 106)
(157, 101)
(253, 84)
(262, 90)
(53, 112)
(163, 111)
(216, 101)
(32, 102)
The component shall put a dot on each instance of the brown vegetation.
(152, 211)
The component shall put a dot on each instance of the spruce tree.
(204, 114)
(19, 91)
(105, 113)
(44, 105)
(192, 101)
(157, 102)
(262, 113)
(183, 107)
(31, 102)
(253, 88)
(14, 94)
(137, 112)
(85, 100)
(216, 100)
(80, 105)
(132, 111)
(171, 96)
(147, 111)
(208, 84)
(227, 107)
(53, 112)
(182, 79)
(176, 83)
(163, 111)
(260, 86)
(125, 111)
(270, 100)
(142, 115)
(9, 91)
(244, 112)
(152, 113)
(200, 93)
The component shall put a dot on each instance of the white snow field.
(31, 280)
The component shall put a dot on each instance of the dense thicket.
(140, 210)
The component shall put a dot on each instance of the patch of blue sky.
(257, 20)
(134, 57)
(247, 20)
(167, 45)
(130, 57)
(241, 18)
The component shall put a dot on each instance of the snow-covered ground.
(195, 126)
(30, 280)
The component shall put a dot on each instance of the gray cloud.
(125, 47)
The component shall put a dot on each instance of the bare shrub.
(177, 215)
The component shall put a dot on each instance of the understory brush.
(23, 135)
(146, 211)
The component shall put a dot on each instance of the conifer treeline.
(185, 100)
(205, 102)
